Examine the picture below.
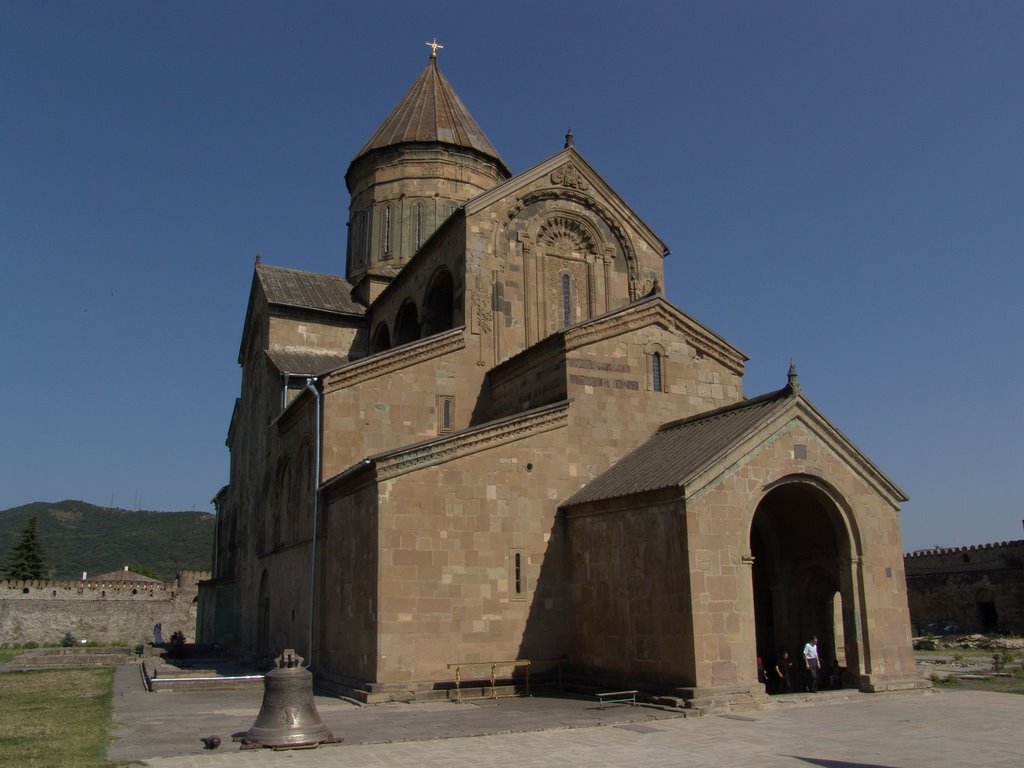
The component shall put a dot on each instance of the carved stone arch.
(407, 323)
(842, 510)
(566, 234)
(565, 259)
(380, 339)
(806, 571)
(657, 366)
(607, 217)
(439, 303)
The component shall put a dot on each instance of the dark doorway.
(988, 618)
(801, 576)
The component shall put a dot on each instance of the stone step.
(72, 658)
(80, 651)
(93, 662)
(215, 683)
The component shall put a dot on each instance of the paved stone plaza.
(854, 730)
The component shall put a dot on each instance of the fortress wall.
(119, 613)
(980, 557)
(967, 589)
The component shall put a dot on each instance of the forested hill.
(77, 537)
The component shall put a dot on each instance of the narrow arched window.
(419, 225)
(387, 231)
(517, 574)
(364, 239)
(566, 299)
(445, 411)
(656, 372)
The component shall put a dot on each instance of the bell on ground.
(288, 718)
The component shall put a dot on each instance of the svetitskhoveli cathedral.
(495, 439)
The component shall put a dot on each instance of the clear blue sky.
(839, 183)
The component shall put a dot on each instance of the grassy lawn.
(58, 719)
(1012, 684)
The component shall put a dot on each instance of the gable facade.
(418, 497)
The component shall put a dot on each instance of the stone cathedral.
(495, 439)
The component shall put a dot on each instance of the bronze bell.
(288, 717)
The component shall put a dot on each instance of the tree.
(26, 559)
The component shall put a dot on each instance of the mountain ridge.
(81, 537)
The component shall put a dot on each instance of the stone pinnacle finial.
(792, 377)
(569, 142)
(257, 257)
(434, 45)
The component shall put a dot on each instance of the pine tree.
(26, 560)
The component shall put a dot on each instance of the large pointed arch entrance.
(803, 582)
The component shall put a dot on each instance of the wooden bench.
(617, 697)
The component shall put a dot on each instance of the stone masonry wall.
(103, 612)
(967, 589)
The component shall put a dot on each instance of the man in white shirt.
(811, 664)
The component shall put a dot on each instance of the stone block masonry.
(967, 589)
(110, 613)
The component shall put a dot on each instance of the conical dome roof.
(432, 112)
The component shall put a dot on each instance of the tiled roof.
(680, 449)
(309, 290)
(302, 361)
(431, 112)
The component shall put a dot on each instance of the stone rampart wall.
(104, 612)
(980, 557)
(967, 589)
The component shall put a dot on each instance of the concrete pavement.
(839, 729)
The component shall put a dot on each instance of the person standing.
(811, 664)
(784, 674)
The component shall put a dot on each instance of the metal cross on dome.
(434, 45)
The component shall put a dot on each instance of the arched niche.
(407, 325)
(380, 340)
(439, 304)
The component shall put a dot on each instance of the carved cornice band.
(638, 317)
(396, 359)
(453, 447)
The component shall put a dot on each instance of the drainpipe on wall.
(311, 386)
(285, 376)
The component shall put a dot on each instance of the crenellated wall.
(118, 612)
(978, 588)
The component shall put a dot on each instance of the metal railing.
(458, 666)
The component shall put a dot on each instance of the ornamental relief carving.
(482, 314)
(569, 176)
(621, 238)
(564, 236)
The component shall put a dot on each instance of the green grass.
(1014, 684)
(56, 719)
(6, 654)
